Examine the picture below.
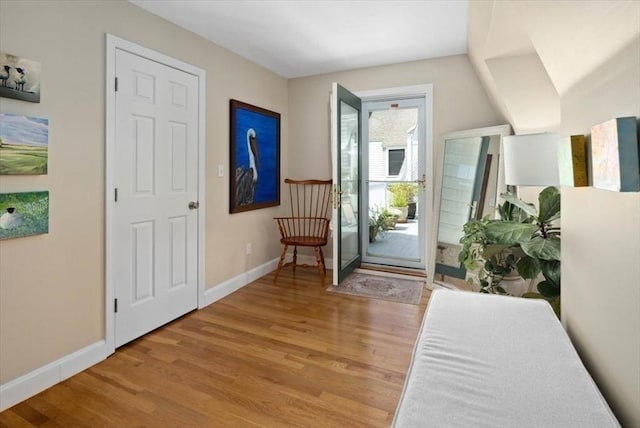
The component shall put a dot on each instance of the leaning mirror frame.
(478, 176)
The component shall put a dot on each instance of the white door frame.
(416, 91)
(114, 43)
(374, 105)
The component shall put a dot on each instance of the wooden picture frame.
(254, 148)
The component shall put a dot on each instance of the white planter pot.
(401, 212)
(515, 285)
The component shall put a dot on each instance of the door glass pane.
(393, 194)
(349, 183)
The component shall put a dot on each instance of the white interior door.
(155, 218)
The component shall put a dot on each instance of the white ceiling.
(302, 38)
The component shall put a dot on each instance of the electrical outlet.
(249, 248)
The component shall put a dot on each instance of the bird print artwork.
(255, 158)
(247, 178)
(19, 78)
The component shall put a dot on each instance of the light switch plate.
(220, 170)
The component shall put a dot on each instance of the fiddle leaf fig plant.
(525, 240)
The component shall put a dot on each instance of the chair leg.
(295, 258)
(324, 266)
(320, 263)
(280, 263)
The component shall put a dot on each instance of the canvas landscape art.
(24, 143)
(24, 214)
(614, 153)
(19, 78)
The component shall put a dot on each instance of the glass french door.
(394, 191)
(346, 144)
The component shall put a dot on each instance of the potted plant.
(411, 209)
(380, 220)
(401, 195)
(524, 242)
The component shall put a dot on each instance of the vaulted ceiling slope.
(529, 54)
(301, 38)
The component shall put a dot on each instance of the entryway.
(394, 187)
(155, 189)
(405, 170)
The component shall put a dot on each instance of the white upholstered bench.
(494, 361)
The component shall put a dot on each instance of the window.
(396, 159)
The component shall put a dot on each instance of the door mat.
(381, 287)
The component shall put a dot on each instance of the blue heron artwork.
(255, 157)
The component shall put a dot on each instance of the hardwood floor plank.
(14, 420)
(288, 354)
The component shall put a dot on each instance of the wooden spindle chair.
(308, 225)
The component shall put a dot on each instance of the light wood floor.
(290, 354)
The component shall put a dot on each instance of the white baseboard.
(28, 385)
(217, 292)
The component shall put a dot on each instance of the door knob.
(423, 182)
(337, 194)
(194, 205)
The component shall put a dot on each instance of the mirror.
(470, 179)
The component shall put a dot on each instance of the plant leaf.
(549, 201)
(544, 249)
(493, 249)
(525, 206)
(551, 271)
(547, 289)
(528, 267)
(509, 233)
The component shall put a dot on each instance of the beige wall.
(596, 77)
(601, 245)
(52, 286)
(459, 103)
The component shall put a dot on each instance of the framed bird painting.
(254, 172)
(19, 78)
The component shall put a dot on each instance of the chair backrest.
(310, 203)
(309, 198)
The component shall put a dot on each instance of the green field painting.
(23, 214)
(24, 144)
